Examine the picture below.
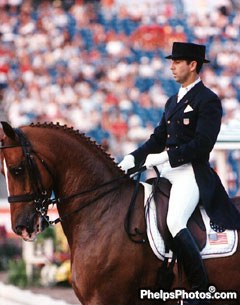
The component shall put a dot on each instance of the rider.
(182, 143)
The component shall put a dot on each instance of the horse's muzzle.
(19, 229)
(27, 226)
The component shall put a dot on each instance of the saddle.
(161, 191)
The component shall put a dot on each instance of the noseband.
(39, 195)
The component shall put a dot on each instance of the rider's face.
(183, 71)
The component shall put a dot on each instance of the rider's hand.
(127, 163)
(156, 159)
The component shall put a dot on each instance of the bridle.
(40, 196)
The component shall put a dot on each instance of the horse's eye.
(17, 171)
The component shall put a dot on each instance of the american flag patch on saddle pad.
(219, 244)
(218, 238)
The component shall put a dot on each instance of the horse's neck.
(88, 213)
(83, 174)
(77, 164)
(80, 170)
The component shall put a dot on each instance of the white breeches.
(184, 195)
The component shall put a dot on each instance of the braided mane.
(80, 136)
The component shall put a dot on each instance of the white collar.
(184, 90)
(189, 87)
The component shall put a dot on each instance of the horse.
(92, 196)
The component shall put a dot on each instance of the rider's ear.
(8, 130)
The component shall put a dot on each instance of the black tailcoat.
(189, 130)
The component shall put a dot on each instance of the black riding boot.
(189, 256)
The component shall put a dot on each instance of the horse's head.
(28, 180)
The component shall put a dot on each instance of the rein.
(137, 236)
(61, 219)
(60, 200)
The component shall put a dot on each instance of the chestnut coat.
(188, 131)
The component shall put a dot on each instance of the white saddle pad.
(217, 244)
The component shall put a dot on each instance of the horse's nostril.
(19, 229)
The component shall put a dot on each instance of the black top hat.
(186, 50)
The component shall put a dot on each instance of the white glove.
(127, 163)
(156, 159)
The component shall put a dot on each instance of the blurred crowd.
(100, 66)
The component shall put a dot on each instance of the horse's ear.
(8, 130)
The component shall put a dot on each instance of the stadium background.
(100, 66)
